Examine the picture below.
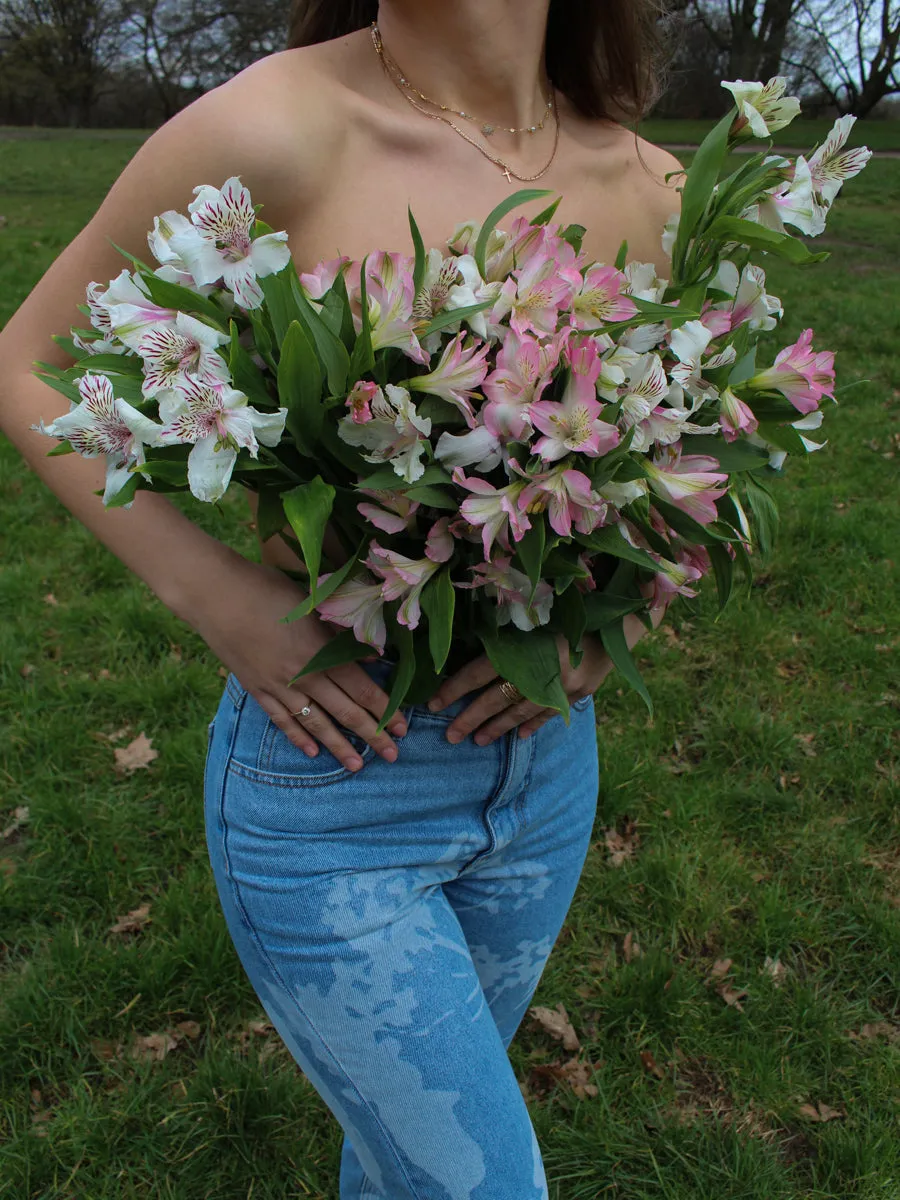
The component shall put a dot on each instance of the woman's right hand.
(242, 625)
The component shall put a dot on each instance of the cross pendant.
(507, 174)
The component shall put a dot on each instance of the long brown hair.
(605, 56)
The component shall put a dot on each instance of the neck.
(481, 56)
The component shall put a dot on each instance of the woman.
(392, 898)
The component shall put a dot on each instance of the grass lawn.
(802, 134)
(731, 961)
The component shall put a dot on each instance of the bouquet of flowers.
(511, 442)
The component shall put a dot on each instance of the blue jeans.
(394, 923)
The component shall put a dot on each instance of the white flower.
(175, 350)
(104, 424)
(219, 422)
(393, 433)
(217, 245)
(764, 106)
(478, 446)
(829, 167)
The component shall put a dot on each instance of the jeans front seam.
(261, 950)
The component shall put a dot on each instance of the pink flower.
(687, 481)
(524, 368)
(460, 371)
(511, 589)
(360, 401)
(404, 578)
(396, 513)
(600, 298)
(567, 496)
(534, 296)
(320, 280)
(800, 374)
(573, 424)
(495, 510)
(735, 416)
(357, 605)
(391, 295)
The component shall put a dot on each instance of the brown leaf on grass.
(51, 600)
(118, 736)
(105, 1050)
(135, 756)
(26, 670)
(717, 974)
(877, 1029)
(189, 1029)
(577, 1074)
(154, 1047)
(650, 1064)
(133, 922)
(630, 948)
(720, 968)
(21, 817)
(39, 1116)
(556, 1022)
(775, 969)
(788, 669)
(820, 1112)
(806, 743)
(621, 846)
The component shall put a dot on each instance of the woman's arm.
(235, 605)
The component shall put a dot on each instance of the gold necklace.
(505, 168)
(487, 128)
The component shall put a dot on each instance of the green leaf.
(270, 518)
(530, 660)
(569, 610)
(308, 508)
(622, 256)
(331, 349)
(112, 364)
(280, 303)
(763, 514)
(451, 315)
(723, 566)
(433, 496)
(387, 479)
(609, 540)
(760, 237)
(64, 447)
(530, 551)
(702, 176)
(785, 437)
(547, 215)
(523, 196)
(616, 646)
(439, 604)
(69, 390)
(300, 389)
(342, 648)
(773, 408)
(245, 374)
(574, 235)
(331, 584)
(348, 330)
(181, 299)
(419, 245)
(603, 608)
(143, 267)
(688, 527)
(739, 455)
(362, 360)
(165, 470)
(744, 368)
(406, 669)
(126, 494)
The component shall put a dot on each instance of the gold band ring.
(510, 691)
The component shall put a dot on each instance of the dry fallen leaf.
(621, 846)
(20, 818)
(806, 740)
(775, 969)
(732, 996)
(650, 1064)
(877, 1029)
(135, 755)
(26, 670)
(720, 968)
(134, 922)
(577, 1074)
(556, 1022)
(154, 1047)
(51, 600)
(820, 1113)
(631, 949)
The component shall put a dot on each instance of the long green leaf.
(331, 349)
(439, 605)
(342, 648)
(331, 584)
(701, 178)
(362, 360)
(308, 508)
(406, 670)
(451, 315)
(530, 551)
(609, 540)
(181, 299)
(523, 196)
(419, 247)
(300, 389)
(602, 608)
(723, 566)
(616, 646)
(530, 660)
(760, 237)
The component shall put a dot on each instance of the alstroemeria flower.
(218, 245)
(736, 417)
(663, 426)
(391, 295)
(675, 578)
(793, 202)
(317, 282)
(574, 423)
(511, 589)
(830, 165)
(567, 497)
(644, 388)
(404, 578)
(642, 281)
(394, 434)
(219, 422)
(764, 107)
(102, 423)
(600, 298)
(358, 605)
(534, 296)
(183, 348)
(173, 267)
(479, 448)
(752, 304)
(524, 367)
(394, 513)
(800, 374)
(439, 279)
(777, 456)
(124, 289)
(460, 371)
(360, 400)
(670, 233)
(687, 481)
(494, 510)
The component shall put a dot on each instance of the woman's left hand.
(490, 715)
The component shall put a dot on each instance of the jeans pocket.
(584, 702)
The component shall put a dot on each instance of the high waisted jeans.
(394, 923)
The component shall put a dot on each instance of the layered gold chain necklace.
(408, 92)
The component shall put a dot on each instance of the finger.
(508, 718)
(288, 725)
(475, 674)
(353, 680)
(491, 702)
(527, 728)
(332, 707)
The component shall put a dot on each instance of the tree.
(751, 35)
(851, 51)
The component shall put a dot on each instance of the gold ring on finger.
(511, 692)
